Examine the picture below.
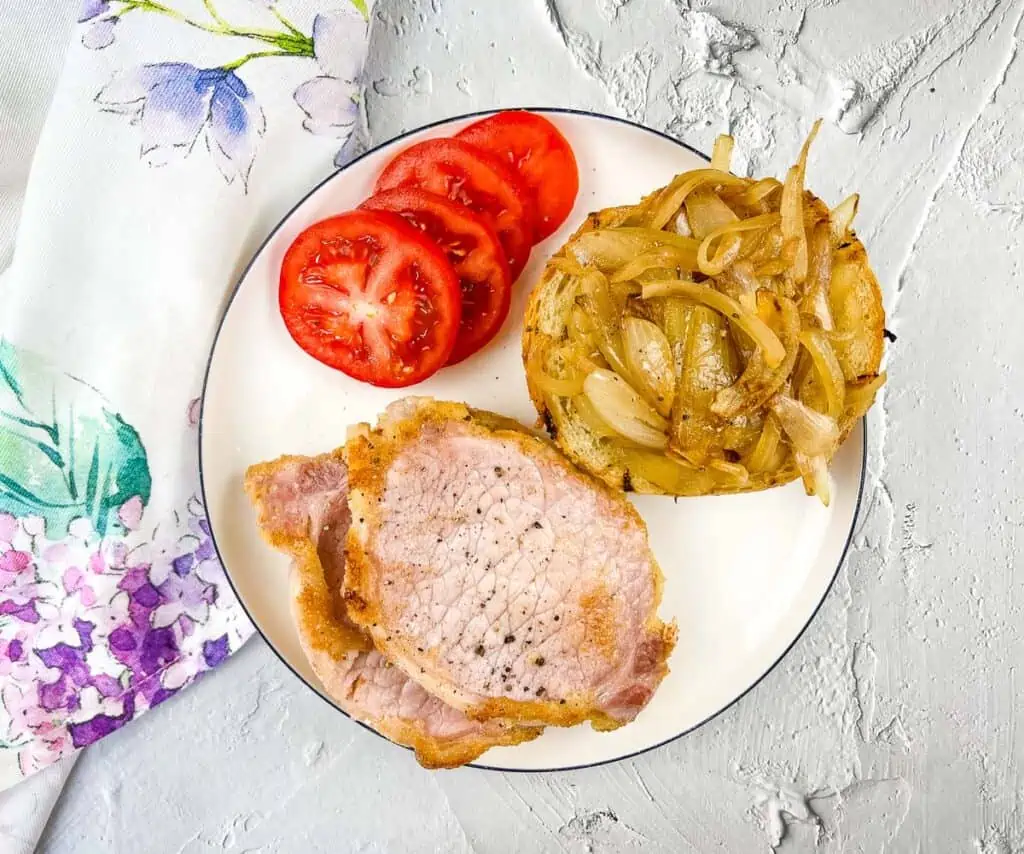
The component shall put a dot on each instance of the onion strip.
(829, 370)
(668, 473)
(608, 341)
(671, 199)
(567, 265)
(559, 386)
(819, 276)
(660, 258)
(706, 212)
(712, 267)
(766, 449)
(792, 208)
(759, 380)
(841, 217)
(721, 154)
(649, 357)
(810, 432)
(759, 191)
(757, 329)
(624, 410)
(814, 471)
(594, 423)
(732, 474)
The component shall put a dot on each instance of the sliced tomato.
(464, 174)
(474, 251)
(541, 156)
(368, 294)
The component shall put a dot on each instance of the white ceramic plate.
(741, 600)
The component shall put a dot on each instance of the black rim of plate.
(213, 531)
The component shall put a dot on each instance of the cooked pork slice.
(496, 574)
(303, 511)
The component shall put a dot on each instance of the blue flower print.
(100, 32)
(93, 9)
(339, 46)
(175, 102)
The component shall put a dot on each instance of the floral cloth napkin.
(180, 131)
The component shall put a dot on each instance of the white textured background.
(893, 724)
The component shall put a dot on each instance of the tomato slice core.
(366, 293)
(475, 253)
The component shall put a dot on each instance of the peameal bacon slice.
(496, 574)
(302, 510)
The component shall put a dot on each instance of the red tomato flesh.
(474, 251)
(535, 148)
(464, 174)
(369, 295)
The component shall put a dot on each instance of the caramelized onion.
(706, 212)
(559, 386)
(841, 217)
(760, 380)
(792, 209)
(729, 232)
(671, 199)
(809, 432)
(814, 471)
(759, 191)
(595, 424)
(683, 351)
(721, 154)
(609, 249)
(829, 370)
(668, 473)
(745, 319)
(819, 276)
(765, 452)
(649, 358)
(624, 410)
(659, 258)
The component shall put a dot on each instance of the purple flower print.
(104, 614)
(31, 728)
(187, 595)
(330, 100)
(174, 103)
(117, 626)
(100, 32)
(95, 728)
(27, 612)
(215, 651)
(73, 672)
(142, 647)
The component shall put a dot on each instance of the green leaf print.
(63, 454)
